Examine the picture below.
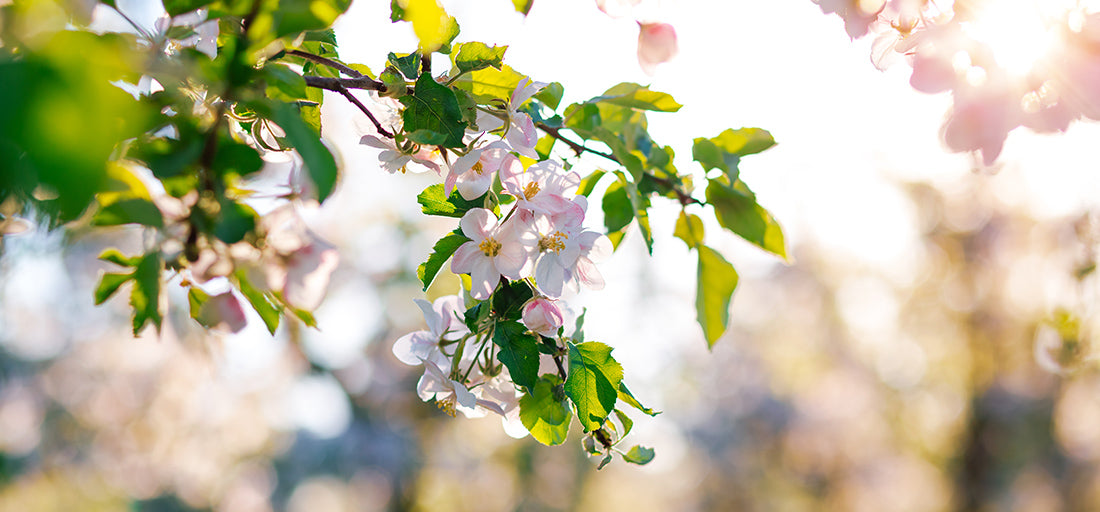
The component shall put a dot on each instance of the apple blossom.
(519, 129)
(442, 317)
(298, 263)
(656, 44)
(394, 159)
(544, 187)
(493, 251)
(594, 248)
(472, 174)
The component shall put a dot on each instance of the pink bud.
(542, 316)
(656, 44)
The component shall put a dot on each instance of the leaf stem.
(326, 62)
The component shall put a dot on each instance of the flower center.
(489, 247)
(553, 242)
(446, 405)
(530, 190)
(478, 168)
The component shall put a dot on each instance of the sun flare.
(1020, 33)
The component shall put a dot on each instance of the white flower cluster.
(540, 240)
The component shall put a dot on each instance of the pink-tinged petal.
(463, 165)
(541, 315)
(465, 401)
(414, 347)
(514, 177)
(550, 275)
(586, 273)
(465, 258)
(656, 44)
(478, 224)
(473, 185)
(223, 312)
(308, 272)
(932, 74)
(522, 136)
(208, 38)
(980, 124)
(491, 406)
(524, 91)
(595, 246)
(375, 142)
(564, 210)
(487, 122)
(483, 278)
(449, 308)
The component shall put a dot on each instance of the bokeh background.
(929, 348)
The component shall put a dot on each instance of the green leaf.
(638, 96)
(397, 11)
(116, 257)
(294, 16)
(617, 209)
(175, 7)
(394, 82)
(267, 309)
(129, 211)
(551, 95)
(736, 210)
(716, 283)
(639, 455)
(606, 460)
(523, 6)
(473, 56)
(434, 107)
(108, 285)
(283, 83)
(626, 396)
(235, 220)
(408, 65)
(318, 159)
(518, 351)
(236, 159)
(431, 24)
(433, 202)
(588, 184)
(628, 424)
(195, 300)
(145, 294)
(509, 299)
(489, 83)
(725, 151)
(641, 210)
(441, 252)
(592, 384)
(578, 329)
(689, 228)
(545, 412)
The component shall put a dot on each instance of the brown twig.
(355, 101)
(326, 62)
(332, 84)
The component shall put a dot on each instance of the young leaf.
(108, 285)
(639, 455)
(175, 7)
(116, 257)
(433, 202)
(617, 209)
(689, 228)
(268, 311)
(431, 24)
(518, 351)
(638, 96)
(551, 95)
(489, 84)
(716, 283)
(594, 377)
(628, 424)
(523, 6)
(129, 211)
(441, 251)
(318, 159)
(408, 65)
(145, 294)
(235, 220)
(473, 56)
(434, 107)
(545, 412)
(725, 151)
(737, 210)
(626, 396)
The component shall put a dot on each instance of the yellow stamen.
(553, 242)
(489, 247)
(478, 168)
(530, 190)
(446, 405)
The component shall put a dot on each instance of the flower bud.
(541, 315)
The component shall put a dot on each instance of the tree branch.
(326, 62)
(333, 84)
(355, 101)
(684, 198)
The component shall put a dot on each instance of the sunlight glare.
(1019, 32)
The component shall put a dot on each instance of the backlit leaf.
(717, 280)
(545, 412)
(441, 252)
(592, 382)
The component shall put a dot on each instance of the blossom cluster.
(540, 241)
(1007, 63)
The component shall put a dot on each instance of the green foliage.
(725, 151)
(593, 381)
(433, 202)
(628, 398)
(268, 310)
(145, 294)
(518, 351)
(109, 283)
(639, 455)
(433, 108)
(545, 412)
(318, 159)
(717, 280)
(689, 228)
(737, 210)
(473, 56)
(441, 252)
